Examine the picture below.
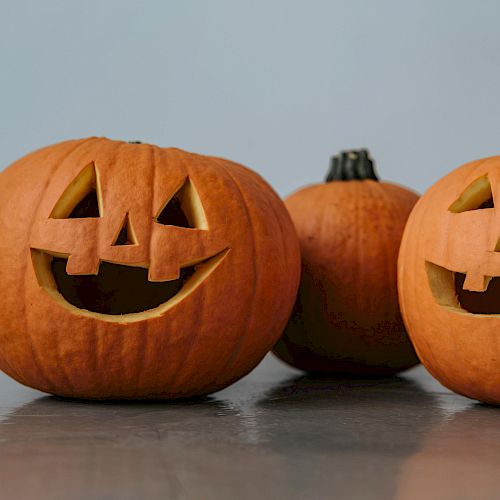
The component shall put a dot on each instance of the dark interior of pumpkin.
(487, 204)
(117, 289)
(487, 302)
(120, 289)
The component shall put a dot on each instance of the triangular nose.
(126, 234)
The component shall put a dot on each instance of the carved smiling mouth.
(118, 292)
(447, 288)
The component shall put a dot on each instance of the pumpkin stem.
(134, 142)
(351, 165)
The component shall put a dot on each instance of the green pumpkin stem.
(352, 165)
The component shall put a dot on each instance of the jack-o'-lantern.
(132, 271)
(449, 279)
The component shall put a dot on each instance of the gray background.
(277, 85)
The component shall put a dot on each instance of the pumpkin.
(133, 271)
(449, 280)
(346, 317)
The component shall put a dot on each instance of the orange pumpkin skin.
(346, 318)
(453, 232)
(228, 319)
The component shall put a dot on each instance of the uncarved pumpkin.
(346, 318)
(133, 271)
(449, 279)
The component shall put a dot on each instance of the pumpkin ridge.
(141, 348)
(357, 239)
(239, 344)
(14, 372)
(417, 249)
(96, 338)
(389, 269)
(97, 331)
(154, 157)
(174, 377)
(25, 267)
(322, 220)
(284, 242)
(144, 338)
(283, 233)
(95, 335)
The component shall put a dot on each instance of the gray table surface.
(275, 434)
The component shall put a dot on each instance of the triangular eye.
(81, 198)
(126, 235)
(476, 196)
(183, 209)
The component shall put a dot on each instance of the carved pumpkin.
(346, 318)
(134, 271)
(449, 280)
